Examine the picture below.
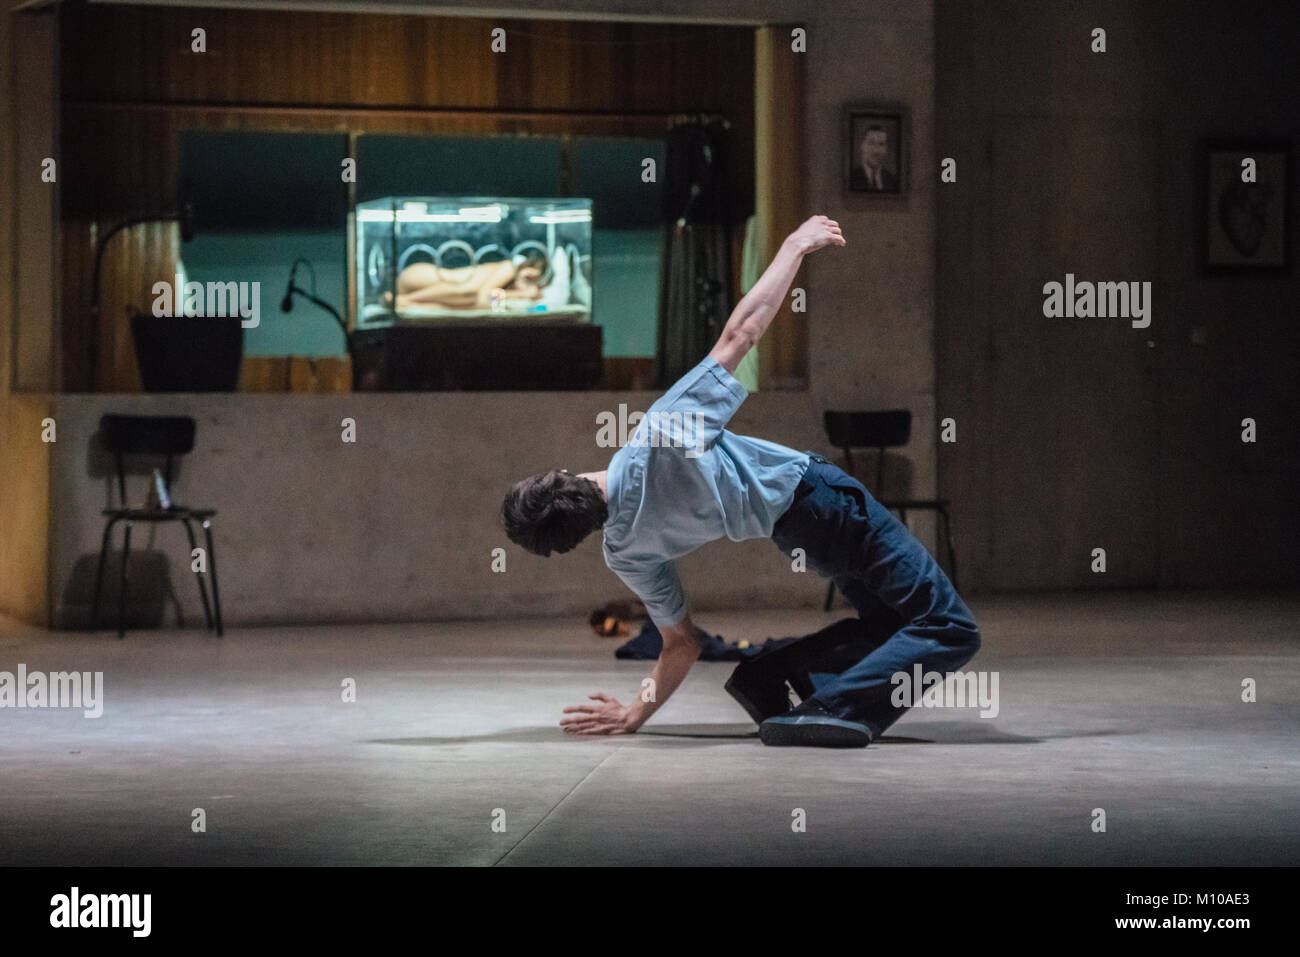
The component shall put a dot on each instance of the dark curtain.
(695, 279)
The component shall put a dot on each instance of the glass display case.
(464, 260)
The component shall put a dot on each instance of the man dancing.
(683, 480)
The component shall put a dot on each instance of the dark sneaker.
(760, 694)
(811, 726)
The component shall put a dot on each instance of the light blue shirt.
(683, 480)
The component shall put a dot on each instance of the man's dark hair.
(552, 511)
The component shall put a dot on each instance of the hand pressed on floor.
(608, 717)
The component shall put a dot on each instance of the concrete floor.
(1130, 703)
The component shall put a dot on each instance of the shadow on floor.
(954, 732)
(554, 735)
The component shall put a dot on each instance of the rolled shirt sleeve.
(693, 413)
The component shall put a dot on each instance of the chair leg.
(203, 588)
(99, 574)
(830, 596)
(121, 595)
(952, 552)
(212, 567)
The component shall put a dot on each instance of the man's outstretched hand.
(608, 717)
(816, 232)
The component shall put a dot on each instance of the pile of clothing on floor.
(612, 621)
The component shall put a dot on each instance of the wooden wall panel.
(295, 374)
(120, 54)
(25, 506)
(782, 356)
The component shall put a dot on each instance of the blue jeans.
(880, 567)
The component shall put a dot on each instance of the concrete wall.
(399, 525)
(1076, 434)
(402, 524)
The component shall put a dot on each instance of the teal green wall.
(625, 289)
(627, 241)
(266, 258)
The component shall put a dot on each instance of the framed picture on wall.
(1245, 193)
(875, 153)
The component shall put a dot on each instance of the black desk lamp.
(183, 215)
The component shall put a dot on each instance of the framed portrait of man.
(875, 154)
(1245, 197)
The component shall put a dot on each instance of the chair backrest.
(165, 435)
(869, 430)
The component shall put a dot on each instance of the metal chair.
(880, 431)
(161, 436)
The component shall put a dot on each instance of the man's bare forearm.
(680, 652)
(754, 313)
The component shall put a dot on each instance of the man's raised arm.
(754, 313)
